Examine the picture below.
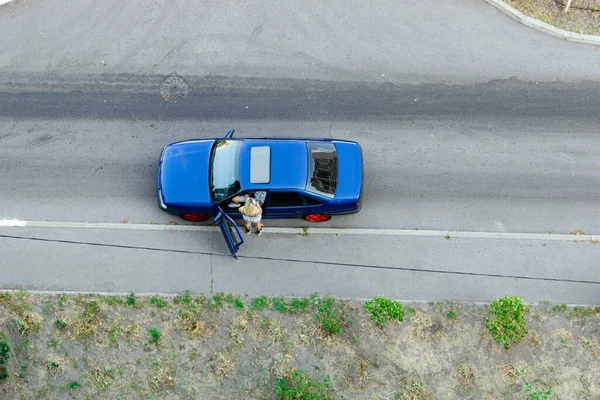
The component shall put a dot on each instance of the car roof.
(288, 166)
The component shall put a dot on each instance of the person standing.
(252, 214)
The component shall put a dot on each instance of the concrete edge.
(308, 231)
(518, 16)
(171, 295)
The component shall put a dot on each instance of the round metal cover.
(174, 89)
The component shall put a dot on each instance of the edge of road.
(523, 19)
(447, 234)
(149, 294)
(518, 16)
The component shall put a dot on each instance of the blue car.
(312, 179)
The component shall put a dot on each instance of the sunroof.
(260, 164)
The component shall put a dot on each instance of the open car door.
(230, 231)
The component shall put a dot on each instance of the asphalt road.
(504, 162)
(425, 41)
(451, 142)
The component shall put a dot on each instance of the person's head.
(250, 204)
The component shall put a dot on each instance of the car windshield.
(225, 169)
(322, 169)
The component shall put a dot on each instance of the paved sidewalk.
(352, 266)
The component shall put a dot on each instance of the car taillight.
(195, 217)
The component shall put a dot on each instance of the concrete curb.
(175, 294)
(518, 16)
(309, 231)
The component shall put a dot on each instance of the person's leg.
(235, 202)
(259, 227)
(248, 225)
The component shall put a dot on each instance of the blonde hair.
(251, 208)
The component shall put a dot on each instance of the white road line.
(305, 231)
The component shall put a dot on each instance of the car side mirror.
(229, 134)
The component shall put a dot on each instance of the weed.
(63, 299)
(52, 365)
(513, 372)
(450, 314)
(272, 328)
(411, 390)
(447, 236)
(104, 376)
(583, 312)
(304, 231)
(436, 305)
(592, 346)
(300, 304)
(172, 223)
(465, 374)
(225, 364)
(162, 376)
(60, 324)
(259, 303)
(4, 356)
(30, 323)
(23, 346)
(280, 304)
(412, 311)
(17, 303)
(425, 327)
(559, 308)
(158, 302)
(577, 232)
(131, 300)
(536, 393)
(185, 299)
(363, 370)
(53, 344)
(508, 324)
(155, 336)
(112, 300)
(114, 338)
(297, 384)
(239, 304)
(330, 317)
(383, 310)
(217, 300)
(4, 350)
(310, 333)
(87, 322)
(237, 330)
(71, 386)
(131, 331)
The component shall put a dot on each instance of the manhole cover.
(174, 89)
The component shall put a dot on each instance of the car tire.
(317, 217)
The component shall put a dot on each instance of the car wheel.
(317, 217)
(195, 217)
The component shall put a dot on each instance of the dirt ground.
(230, 347)
(552, 12)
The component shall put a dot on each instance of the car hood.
(184, 173)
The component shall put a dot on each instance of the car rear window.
(322, 169)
